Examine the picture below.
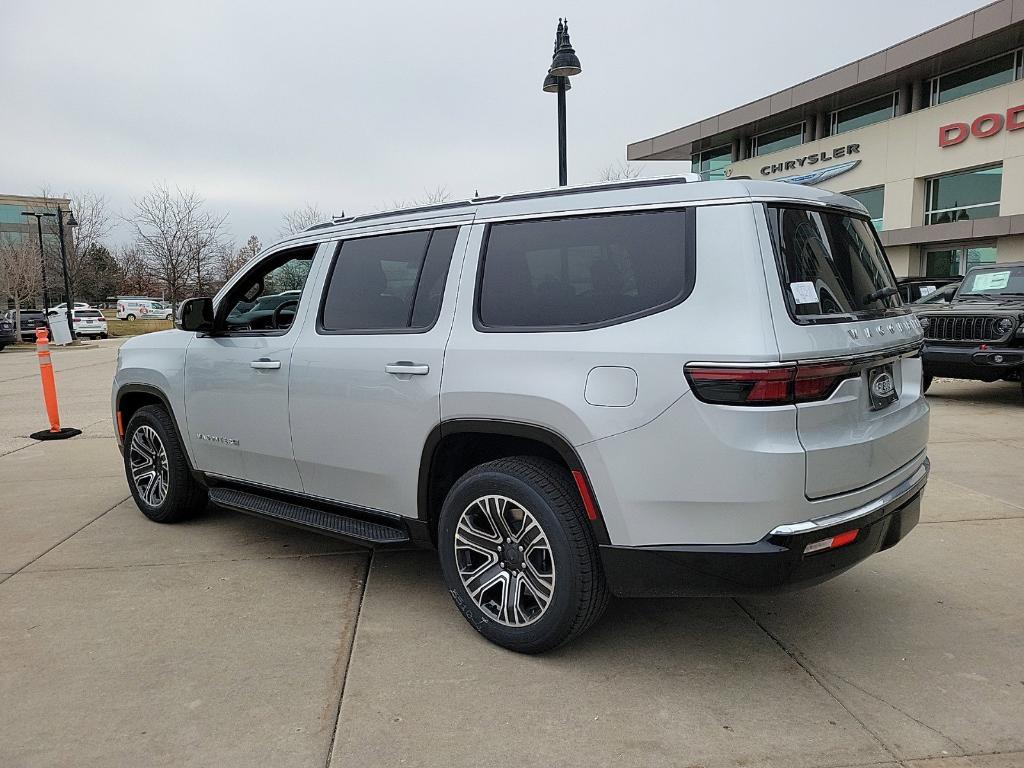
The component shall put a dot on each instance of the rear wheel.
(130, 317)
(518, 555)
(926, 382)
(158, 473)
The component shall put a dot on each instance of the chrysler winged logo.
(820, 174)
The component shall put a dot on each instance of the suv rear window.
(88, 313)
(832, 266)
(585, 271)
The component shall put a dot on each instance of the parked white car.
(142, 309)
(647, 388)
(61, 308)
(89, 322)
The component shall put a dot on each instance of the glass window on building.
(11, 214)
(955, 261)
(865, 113)
(967, 195)
(990, 73)
(773, 141)
(874, 200)
(711, 163)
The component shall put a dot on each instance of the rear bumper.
(970, 362)
(775, 563)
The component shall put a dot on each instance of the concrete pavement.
(231, 641)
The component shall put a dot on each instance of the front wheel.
(518, 554)
(158, 473)
(926, 382)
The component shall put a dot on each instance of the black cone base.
(63, 434)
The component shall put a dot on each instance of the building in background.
(928, 134)
(21, 231)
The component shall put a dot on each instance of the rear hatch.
(835, 302)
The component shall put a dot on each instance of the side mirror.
(195, 315)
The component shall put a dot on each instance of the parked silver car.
(655, 387)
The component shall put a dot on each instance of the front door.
(236, 381)
(366, 376)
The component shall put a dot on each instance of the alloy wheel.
(504, 560)
(148, 460)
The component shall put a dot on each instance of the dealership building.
(928, 134)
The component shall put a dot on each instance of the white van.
(145, 309)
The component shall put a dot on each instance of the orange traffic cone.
(49, 393)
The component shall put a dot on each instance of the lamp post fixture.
(69, 301)
(564, 64)
(42, 257)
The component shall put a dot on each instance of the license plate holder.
(882, 387)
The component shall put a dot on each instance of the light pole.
(42, 257)
(64, 264)
(69, 303)
(564, 64)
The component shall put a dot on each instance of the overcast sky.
(265, 105)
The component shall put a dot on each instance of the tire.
(103, 335)
(130, 317)
(150, 431)
(926, 381)
(514, 493)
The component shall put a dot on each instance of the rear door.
(366, 371)
(834, 300)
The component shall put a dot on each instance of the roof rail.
(656, 181)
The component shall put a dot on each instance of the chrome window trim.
(904, 350)
(907, 488)
(665, 206)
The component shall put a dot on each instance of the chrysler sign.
(982, 126)
(807, 160)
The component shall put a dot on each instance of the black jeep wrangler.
(980, 333)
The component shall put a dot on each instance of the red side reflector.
(588, 501)
(839, 540)
(844, 538)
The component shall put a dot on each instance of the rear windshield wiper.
(881, 293)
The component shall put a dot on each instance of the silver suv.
(651, 388)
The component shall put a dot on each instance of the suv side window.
(265, 300)
(585, 271)
(387, 282)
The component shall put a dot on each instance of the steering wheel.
(275, 319)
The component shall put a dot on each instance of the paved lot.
(229, 641)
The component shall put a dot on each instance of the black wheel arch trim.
(149, 389)
(535, 432)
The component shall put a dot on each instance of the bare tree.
(620, 171)
(177, 238)
(301, 218)
(136, 279)
(438, 194)
(94, 226)
(20, 273)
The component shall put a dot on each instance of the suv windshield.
(993, 281)
(832, 266)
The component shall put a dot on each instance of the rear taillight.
(772, 385)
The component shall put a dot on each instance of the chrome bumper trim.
(907, 488)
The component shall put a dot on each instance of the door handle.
(264, 364)
(405, 367)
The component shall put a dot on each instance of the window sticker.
(804, 292)
(991, 281)
(926, 289)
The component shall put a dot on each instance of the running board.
(312, 518)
